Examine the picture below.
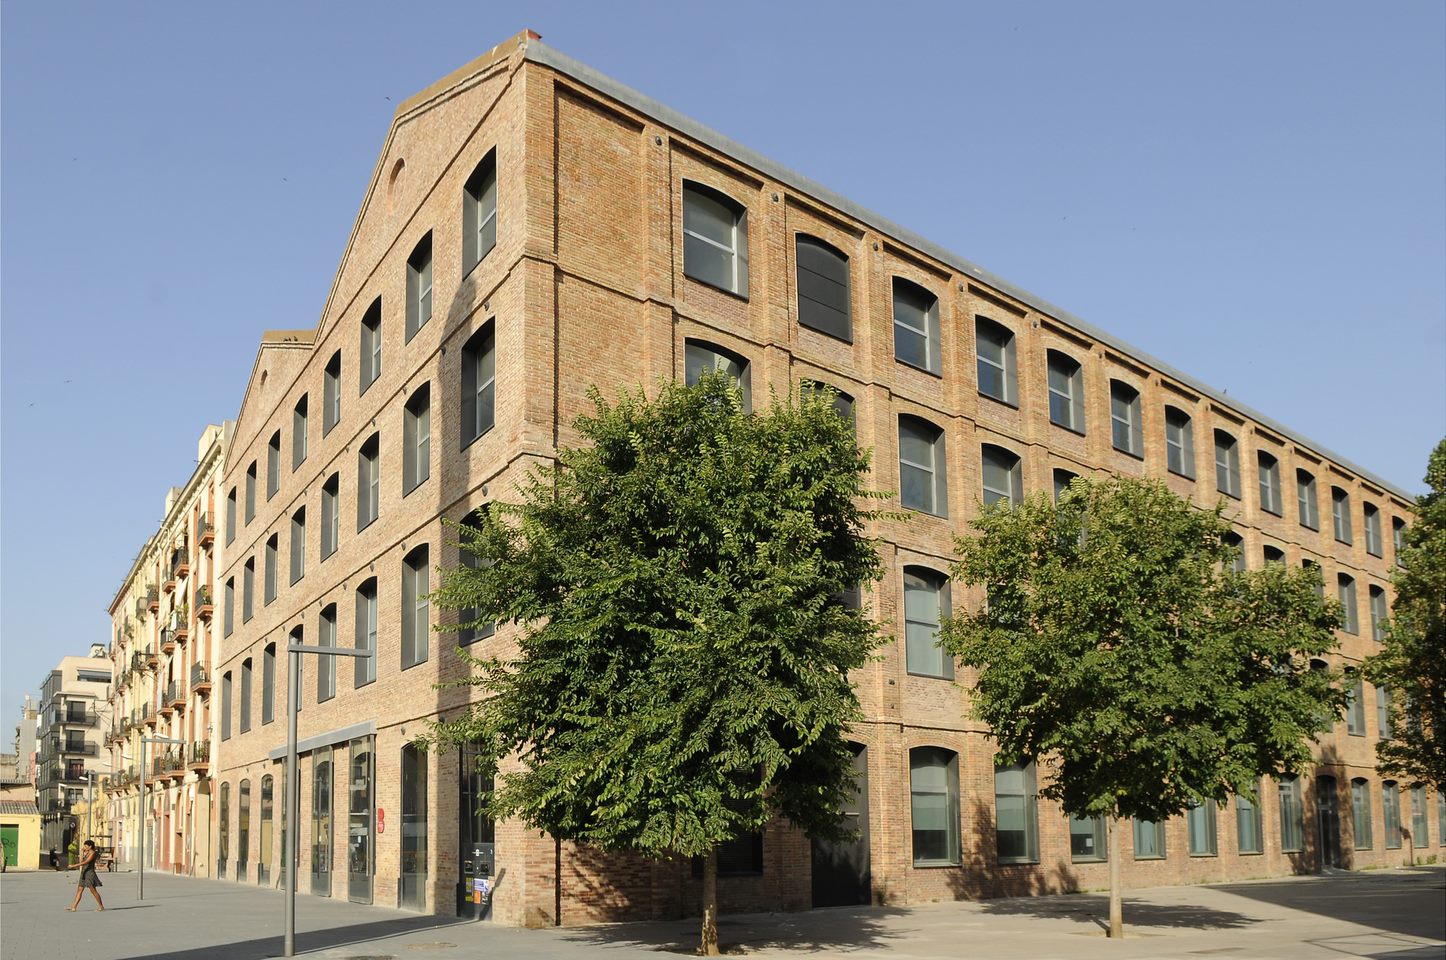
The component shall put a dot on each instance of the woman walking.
(88, 877)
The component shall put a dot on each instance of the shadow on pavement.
(263, 947)
(1406, 901)
(829, 928)
(1095, 909)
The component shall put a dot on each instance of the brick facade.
(586, 286)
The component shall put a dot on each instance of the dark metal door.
(841, 870)
(1328, 820)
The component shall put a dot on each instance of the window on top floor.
(331, 394)
(368, 482)
(479, 213)
(923, 481)
(700, 357)
(1227, 464)
(369, 367)
(926, 603)
(419, 286)
(1002, 477)
(1346, 592)
(1341, 515)
(995, 362)
(715, 238)
(1066, 391)
(417, 439)
(231, 517)
(1398, 539)
(479, 383)
(1268, 469)
(1305, 500)
(298, 433)
(823, 287)
(916, 327)
(273, 465)
(1179, 443)
(1374, 546)
(1126, 430)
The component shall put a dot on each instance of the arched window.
(268, 684)
(419, 286)
(1227, 464)
(326, 665)
(1305, 500)
(479, 213)
(823, 287)
(1066, 391)
(369, 366)
(321, 822)
(243, 829)
(298, 544)
(331, 394)
(1391, 810)
(1268, 467)
(298, 433)
(923, 480)
(916, 327)
(416, 610)
(1179, 443)
(268, 569)
(468, 615)
(273, 465)
(1126, 430)
(926, 603)
(366, 632)
(223, 848)
(368, 482)
(417, 439)
(251, 492)
(995, 364)
(1346, 592)
(245, 695)
(479, 383)
(700, 356)
(934, 806)
(1003, 478)
(1341, 515)
(330, 515)
(715, 238)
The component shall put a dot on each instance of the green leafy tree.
(682, 672)
(1119, 650)
(1413, 661)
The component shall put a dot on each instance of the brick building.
(533, 228)
(161, 652)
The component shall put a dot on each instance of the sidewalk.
(1388, 914)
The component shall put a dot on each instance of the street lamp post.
(291, 811)
(141, 860)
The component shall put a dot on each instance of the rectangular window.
(226, 706)
(479, 213)
(1087, 841)
(994, 352)
(1179, 443)
(248, 589)
(269, 570)
(1249, 835)
(273, 465)
(1391, 810)
(1149, 840)
(479, 383)
(1361, 814)
(922, 482)
(231, 517)
(1374, 545)
(251, 492)
(331, 394)
(419, 287)
(1016, 824)
(368, 482)
(366, 633)
(1227, 464)
(934, 806)
(823, 287)
(1383, 712)
(369, 366)
(1398, 539)
(1346, 591)
(1356, 708)
(268, 684)
(298, 433)
(1269, 470)
(1200, 821)
(1379, 614)
(1292, 815)
(916, 326)
(417, 439)
(245, 695)
(1126, 430)
(228, 607)
(330, 516)
(1066, 392)
(326, 665)
(1002, 478)
(1305, 500)
(715, 238)
(298, 544)
(926, 603)
(1420, 819)
(1341, 515)
(415, 610)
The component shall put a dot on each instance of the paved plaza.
(1387, 914)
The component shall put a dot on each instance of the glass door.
(360, 857)
(414, 828)
(321, 823)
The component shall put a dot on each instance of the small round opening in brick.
(394, 183)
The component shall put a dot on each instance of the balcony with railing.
(200, 679)
(181, 622)
(181, 561)
(75, 775)
(153, 599)
(168, 640)
(138, 662)
(204, 609)
(141, 604)
(60, 747)
(173, 763)
(74, 716)
(153, 659)
(205, 532)
(175, 694)
(200, 756)
(148, 715)
(168, 585)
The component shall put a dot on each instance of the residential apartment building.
(162, 648)
(533, 229)
(70, 764)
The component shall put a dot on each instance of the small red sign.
(381, 820)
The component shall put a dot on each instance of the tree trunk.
(1117, 906)
(708, 944)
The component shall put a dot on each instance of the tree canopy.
(1118, 647)
(681, 675)
(1413, 662)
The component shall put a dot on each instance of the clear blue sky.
(179, 176)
